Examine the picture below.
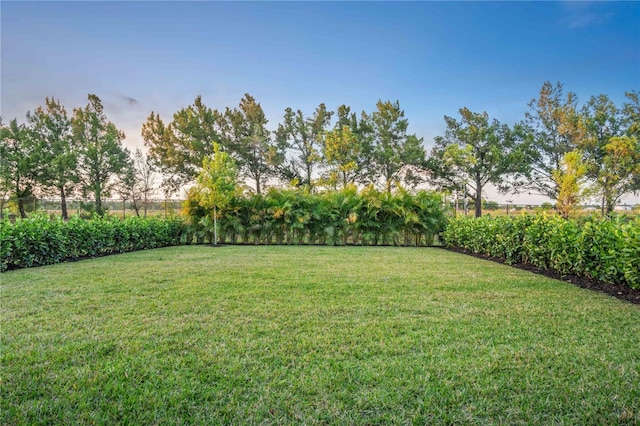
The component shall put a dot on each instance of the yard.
(313, 335)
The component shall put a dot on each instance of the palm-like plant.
(369, 217)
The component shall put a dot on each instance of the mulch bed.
(615, 290)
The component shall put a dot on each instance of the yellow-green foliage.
(569, 179)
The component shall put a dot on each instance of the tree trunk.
(23, 213)
(136, 208)
(63, 203)
(478, 203)
(610, 206)
(98, 199)
(309, 171)
(215, 227)
(478, 198)
(258, 188)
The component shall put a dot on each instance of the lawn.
(313, 335)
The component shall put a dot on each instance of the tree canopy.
(474, 152)
(100, 151)
(555, 127)
(51, 130)
(83, 155)
(393, 150)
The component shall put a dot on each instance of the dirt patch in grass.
(620, 291)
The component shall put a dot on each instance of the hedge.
(607, 250)
(41, 241)
(349, 216)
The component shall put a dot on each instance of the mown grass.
(314, 335)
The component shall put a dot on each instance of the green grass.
(314, 335)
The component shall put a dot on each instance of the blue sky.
(434, 57)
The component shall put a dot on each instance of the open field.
(314, 335)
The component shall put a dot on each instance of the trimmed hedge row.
(604, 249)
(40, 241)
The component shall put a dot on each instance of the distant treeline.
(567, 151)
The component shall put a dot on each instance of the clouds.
(589, 19)
(130, 100)
(583, 14)
(433, 57)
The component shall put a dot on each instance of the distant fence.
(52, 206)
(169, 207)
(511, 208)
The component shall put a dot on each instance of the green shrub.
(349, 216)
(604, 249)
(40, 241)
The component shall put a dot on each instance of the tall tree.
(603, 122)
(302, 137)
(555, 127)
(570, 179)
(631, 119)
(631, 113)
(20, 163)
(179, 147)
(474, 152)
(393, 151)
(620, 170)
(250, 142)
(353, 151)
(611, 148)
(342, 152)
(215, 184)
(101, 154)
(145, 173)
(127, 187)
(136, 182)
(51, 130)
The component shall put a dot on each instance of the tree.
(347, 148)
(216, 183)
(603, 122)
(342, 151)
(51, 130)
(250, 142)
(163, 154)
(179, 148)
(302, 137)
(101, 155)
(611, 148)
(127, 187)
(145, 173)
(569, 179)
(20, 163)
(136, 182)
(631, 113)
(393, 151)
(620, 171)
(475, 152)
(554, 127)
(631, 119)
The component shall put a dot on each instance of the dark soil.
(620, 291)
